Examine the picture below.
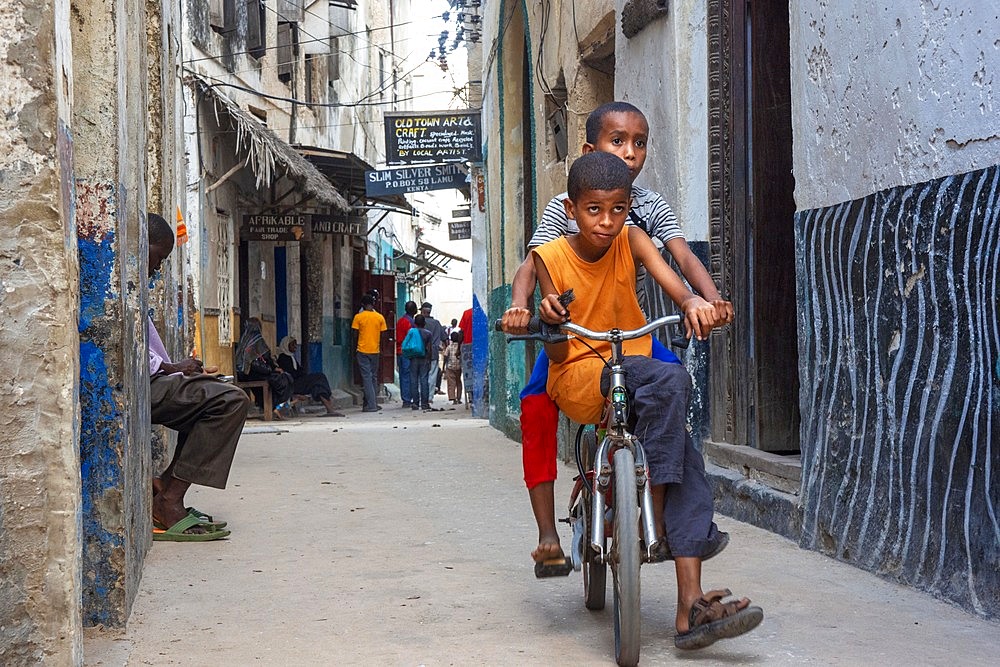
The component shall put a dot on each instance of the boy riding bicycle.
(599, 263)
(621, 129)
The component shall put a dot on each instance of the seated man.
(599, 263)
(313, 385)
(207, 414)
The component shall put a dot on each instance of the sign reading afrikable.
(413, 179)
(276, 228)
(432, 136)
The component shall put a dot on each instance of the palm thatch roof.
(267, 156)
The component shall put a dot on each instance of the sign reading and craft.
(300, 227)
(432, 136)
(413, 179)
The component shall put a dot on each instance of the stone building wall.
(39, 452)
(897, 186)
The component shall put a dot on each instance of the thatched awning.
(267, 156)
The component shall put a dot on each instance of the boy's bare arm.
(697, 276)
(701, 316)
(550, 310)
(515, 319)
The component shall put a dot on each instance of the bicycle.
(613, 477)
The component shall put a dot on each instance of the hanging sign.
(339, 224)
(460, 230)
(263, 227)
(432, 136)
(413, 179)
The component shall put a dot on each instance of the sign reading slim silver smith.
(432, 136)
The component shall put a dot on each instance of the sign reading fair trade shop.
(413, 179)
(264, 227)
(432, 136)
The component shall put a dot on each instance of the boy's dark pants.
(208, 416)
(660, 393)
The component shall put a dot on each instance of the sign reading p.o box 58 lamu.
(432, 136)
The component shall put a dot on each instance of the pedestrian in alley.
(207, 414)
(438, 341)
(403, 326)
(453, 367)
(367, 328)
(466, 328)
(419, 387)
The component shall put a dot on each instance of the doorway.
(754, 371)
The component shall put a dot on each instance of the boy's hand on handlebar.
(515, 321)
(723, 311)
(551, 311)
(700, 316)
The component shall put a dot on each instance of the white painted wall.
(663, 71)
(891, 94)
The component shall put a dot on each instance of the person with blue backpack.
(417, 348)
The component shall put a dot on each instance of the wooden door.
(754, 377)
(365, 281)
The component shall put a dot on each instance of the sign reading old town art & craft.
(413, 179)
(432, 136)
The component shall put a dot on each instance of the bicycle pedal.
(566, 520)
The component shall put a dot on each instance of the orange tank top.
(605, 298)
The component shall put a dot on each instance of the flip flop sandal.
(712, 620)
(553, 567)
(178, 532)
(205, 518)
(661, 552)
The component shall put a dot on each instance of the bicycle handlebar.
(558, 333)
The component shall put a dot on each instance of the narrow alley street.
(394, 539)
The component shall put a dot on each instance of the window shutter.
(286, 58)
(216, 14)
(255, 28)
(291, 11)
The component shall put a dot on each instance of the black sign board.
(275, 228)
(460, 230)
(433, 136)
(413, 179)
(459, 213)
(339, 224)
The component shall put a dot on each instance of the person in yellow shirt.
(368, 326)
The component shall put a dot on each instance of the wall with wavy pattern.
(899, 343)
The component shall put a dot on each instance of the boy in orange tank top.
(599, 263)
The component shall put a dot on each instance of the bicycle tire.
(626, 560)
(595, 574)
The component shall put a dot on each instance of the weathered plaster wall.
(39, 452)
(900, 401)
(891, 94)
(109, 54)
(663, 70)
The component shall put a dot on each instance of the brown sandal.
(712, 619)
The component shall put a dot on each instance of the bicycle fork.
(602, 482)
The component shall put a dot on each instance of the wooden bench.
(265, 388)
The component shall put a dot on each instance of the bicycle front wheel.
(625, 559)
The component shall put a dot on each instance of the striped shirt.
(654, 217)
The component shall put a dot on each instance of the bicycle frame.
(617, 436)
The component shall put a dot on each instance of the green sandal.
(178, 532)
(205, 518)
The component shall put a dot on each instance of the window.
(222, 15)
(256, 28)
(291, 11)
(286, 51)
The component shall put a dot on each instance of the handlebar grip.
(680, 342)
(535, 325)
